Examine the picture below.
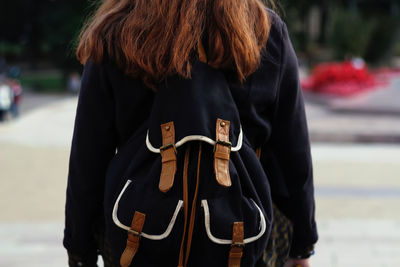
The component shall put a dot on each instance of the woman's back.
(113, 106)
(133, 99)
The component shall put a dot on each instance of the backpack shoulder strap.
(258, 152)
(201, 52)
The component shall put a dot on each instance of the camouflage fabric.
(277, 251)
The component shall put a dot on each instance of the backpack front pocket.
(159, 239)
(152, 236)
(218, 221)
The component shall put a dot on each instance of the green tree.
(44, 30)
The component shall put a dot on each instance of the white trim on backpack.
(148, 236)
(195, 138)
(263, 226)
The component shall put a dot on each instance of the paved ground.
(369, 117)
(357, 189)
(358, 195)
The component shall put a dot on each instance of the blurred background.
(349, 62)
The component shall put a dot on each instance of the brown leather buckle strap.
(185, 203)
(236, 252)
(193, 211)
(168, 157)
(222, 152)
(132, 244)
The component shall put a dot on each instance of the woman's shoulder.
(273, 48)
(276, 22)
(107, 68)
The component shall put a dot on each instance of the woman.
(132, 47)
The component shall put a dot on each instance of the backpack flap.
(194, 106)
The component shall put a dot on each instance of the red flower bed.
(347, 78)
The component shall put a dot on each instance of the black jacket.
(112, 106)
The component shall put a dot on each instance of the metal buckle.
(133, 232)
(167, 146)
(223, 143)
(238, 245)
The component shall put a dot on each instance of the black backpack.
(188, 189)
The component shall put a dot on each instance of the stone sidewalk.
(357, 191)
(371, 117)
(358, 199)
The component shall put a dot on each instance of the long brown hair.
(155, 39)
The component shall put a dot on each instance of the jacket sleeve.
(93, 146)
(287, 156)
